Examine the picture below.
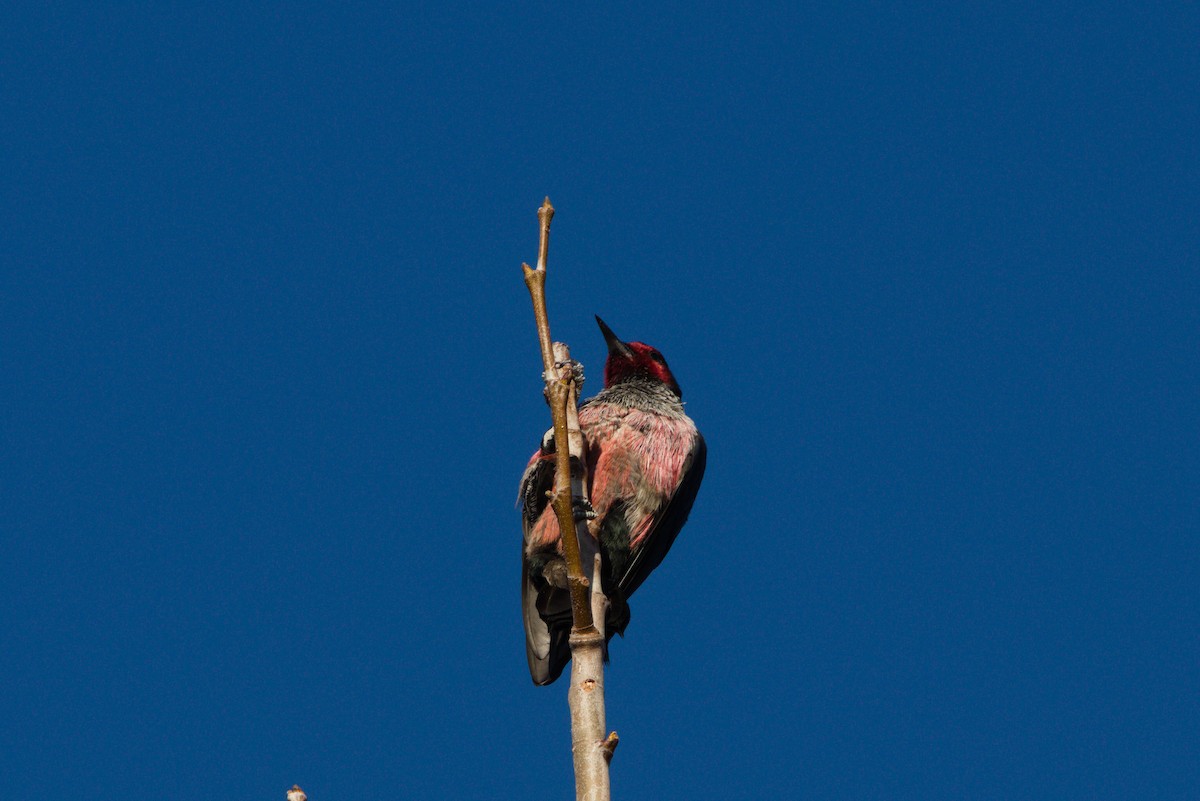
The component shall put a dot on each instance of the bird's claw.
(583, 510)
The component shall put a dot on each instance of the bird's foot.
(583, 510)
(576, 368)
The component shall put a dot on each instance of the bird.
(645, 462)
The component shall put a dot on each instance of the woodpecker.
(645, 462)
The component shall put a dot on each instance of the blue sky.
(927, 275)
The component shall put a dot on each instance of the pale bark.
(591, 749)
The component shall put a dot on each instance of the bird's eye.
(656, 356)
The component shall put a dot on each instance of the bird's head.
(634, 361)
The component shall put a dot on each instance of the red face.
(642, 361)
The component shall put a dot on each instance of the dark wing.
(546, 609)
(670, 521)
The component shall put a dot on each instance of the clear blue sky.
(928, 276)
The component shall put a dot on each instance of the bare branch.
(586, 699)
(561, 394)
(592, 750)
(536, 281)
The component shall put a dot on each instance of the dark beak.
(615, 346)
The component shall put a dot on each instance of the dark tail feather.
(548, 662)
(548, 631)
(560, 652)
(547, 613)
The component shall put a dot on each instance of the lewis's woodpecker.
(645, 461)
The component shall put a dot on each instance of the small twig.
(545, 215)
(536, 281)
(560, 392)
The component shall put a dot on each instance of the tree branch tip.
(545, 214)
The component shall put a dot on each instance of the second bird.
(645, 463)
